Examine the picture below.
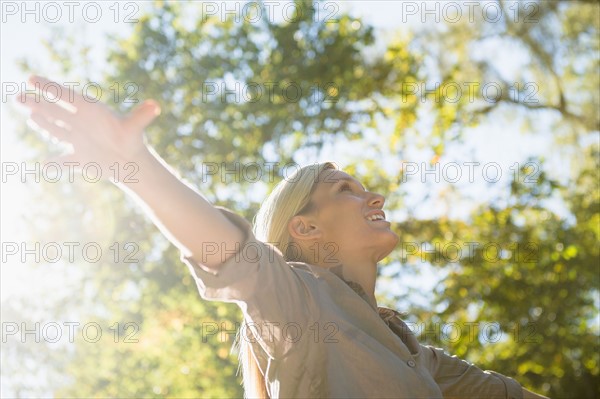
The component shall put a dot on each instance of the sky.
(21, 37)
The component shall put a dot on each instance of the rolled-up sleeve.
(273, 297)
(458, 378)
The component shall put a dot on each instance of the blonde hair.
(290, 197)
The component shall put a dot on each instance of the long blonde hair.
(290, 197)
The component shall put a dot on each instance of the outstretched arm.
(527, 394)
(458, 378)
(242, 269)
(98, 135)
(184, 216)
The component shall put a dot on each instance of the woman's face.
(350, 219)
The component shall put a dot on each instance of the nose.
(376, 200)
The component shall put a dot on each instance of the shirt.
(316, 336)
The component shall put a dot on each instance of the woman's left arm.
(458, 378)
(527, 394)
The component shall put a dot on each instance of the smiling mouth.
(376, 217)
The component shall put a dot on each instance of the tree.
(529, 272)
(544, 319)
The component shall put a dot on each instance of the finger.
(62, 133)
(49, 109)
(142, 116)
(30, 99)
(57, 92)
(65, 161)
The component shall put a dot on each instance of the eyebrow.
(336, 180)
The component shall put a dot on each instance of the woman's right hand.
(96, 133)
(99, 135)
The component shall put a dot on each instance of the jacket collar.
(391, 317)
(321, 271)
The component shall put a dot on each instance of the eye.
(345, 187)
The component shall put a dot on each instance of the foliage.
(542, 289)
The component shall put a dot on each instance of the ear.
(302, 228)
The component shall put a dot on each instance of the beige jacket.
(316, 337)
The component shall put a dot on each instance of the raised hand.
(96, 133)
(99, 135)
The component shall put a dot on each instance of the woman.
(312, 327)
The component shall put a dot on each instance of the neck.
(362, 273)
(355, 268)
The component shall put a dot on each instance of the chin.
(388, 245)
(393, 238)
